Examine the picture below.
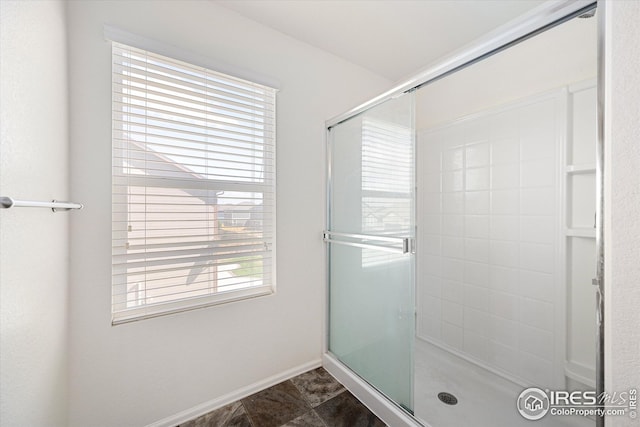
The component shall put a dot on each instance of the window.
(193, 186)
(387, 184)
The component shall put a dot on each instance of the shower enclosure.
(462, 233)
(371, 237)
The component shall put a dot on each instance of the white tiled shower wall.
(489, 229)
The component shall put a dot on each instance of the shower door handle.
(402, 245)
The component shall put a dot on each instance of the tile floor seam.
(303, 398)
(247, 413)
(308, 400)
(320, 418)
(301, 393)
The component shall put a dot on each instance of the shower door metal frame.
(600, 249)
(401, 244)
(538, 20)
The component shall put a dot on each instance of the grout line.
(247, 413)
(320, 418)
(300, 391)
(313, 408)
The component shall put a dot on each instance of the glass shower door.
(370, 236)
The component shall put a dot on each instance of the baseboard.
(219, 402)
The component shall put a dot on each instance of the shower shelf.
(581, 232)
(581, 373)
(584, 168)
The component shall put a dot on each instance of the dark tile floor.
(312, 399)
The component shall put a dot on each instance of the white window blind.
(387, 184)
(193, 186)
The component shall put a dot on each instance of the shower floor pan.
(484, 398)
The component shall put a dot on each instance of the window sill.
(150, 311)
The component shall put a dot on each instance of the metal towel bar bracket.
(8, 202)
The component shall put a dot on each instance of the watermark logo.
(533, 403)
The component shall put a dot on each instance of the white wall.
(562, 55)
(622, 200)
(138, 373)
(33, 242)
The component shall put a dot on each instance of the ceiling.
(392, 38)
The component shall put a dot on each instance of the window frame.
(268, 216)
